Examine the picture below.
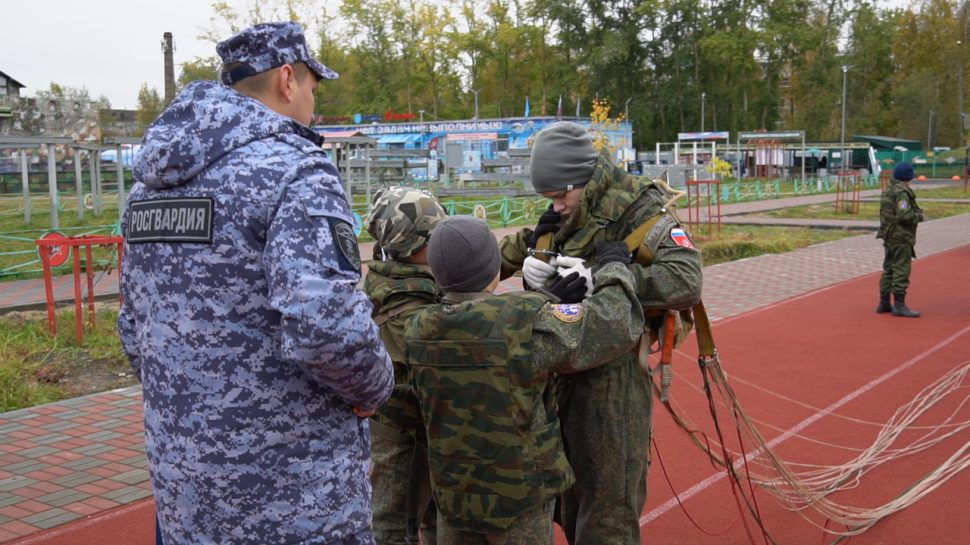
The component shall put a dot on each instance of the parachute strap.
(382, 317)
(667, 354)
(543, 249)
(636, 239)
(705, 337)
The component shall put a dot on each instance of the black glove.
(548, 223)
(568, 289)
(612, 252)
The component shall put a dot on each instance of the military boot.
(884, 304)
(900, 308)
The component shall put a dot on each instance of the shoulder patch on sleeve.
(903, 204)
(346, 242)
(679, 236)
(568, 313)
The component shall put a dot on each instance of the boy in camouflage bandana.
(482, 367)
(399, 284)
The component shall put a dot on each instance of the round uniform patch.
(346, 241)
(568, 313)
(903, 205)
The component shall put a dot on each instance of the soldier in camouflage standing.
(483, 369)
(605, 412)
(898, 217)
(399, 284)
(257, 356)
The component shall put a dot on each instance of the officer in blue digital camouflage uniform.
(257, 354)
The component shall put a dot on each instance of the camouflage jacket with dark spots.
(398, 291)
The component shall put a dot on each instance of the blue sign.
(358, 223)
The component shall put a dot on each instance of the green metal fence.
(930, 164)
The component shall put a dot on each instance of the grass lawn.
(869, 209)
(37, 368)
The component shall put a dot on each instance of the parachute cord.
(681, 504)
(736, 486)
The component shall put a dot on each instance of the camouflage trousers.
(391, 456)
(605, 415)
(896, 266)
(532, 528)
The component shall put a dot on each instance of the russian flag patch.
(680, 237)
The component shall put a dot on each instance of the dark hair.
(259, 83)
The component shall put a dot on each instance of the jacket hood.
(203, 123)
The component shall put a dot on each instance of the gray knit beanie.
(563, 157)
(463, 254)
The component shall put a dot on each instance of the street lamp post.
(476, 102)
(845, 77)
(929, 132)
(626, 109)
(960, 114)
(703, 101)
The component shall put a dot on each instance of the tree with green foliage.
(149, 106)
(743, 64)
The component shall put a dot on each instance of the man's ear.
(285, 81)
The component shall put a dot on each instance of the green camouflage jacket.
(614, 204)
(899, 214)
(398, 291)
(482, 368)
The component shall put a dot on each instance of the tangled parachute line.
(805, 488)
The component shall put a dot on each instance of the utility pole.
(703, 101)
(845, 78)
(476, 91)
(929, 132)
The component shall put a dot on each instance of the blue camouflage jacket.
(243, 323)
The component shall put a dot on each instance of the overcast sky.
(110, 47)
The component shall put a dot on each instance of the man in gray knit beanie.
(563, 162)
(563, 158)
(607, 413)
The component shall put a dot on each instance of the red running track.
(819, 373)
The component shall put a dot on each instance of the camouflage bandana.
(401, 220)
(265, 46)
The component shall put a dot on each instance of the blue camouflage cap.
(265, 46)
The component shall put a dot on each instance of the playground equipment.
(696, 191)
(848, 192)
(50, 147)
(55, 250)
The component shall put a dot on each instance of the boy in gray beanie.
(606, 413)
(482, 367)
